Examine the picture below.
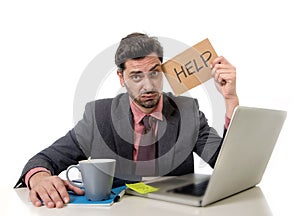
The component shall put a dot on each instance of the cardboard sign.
(190, 68)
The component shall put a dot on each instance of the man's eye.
(136, 77)
(154, 73)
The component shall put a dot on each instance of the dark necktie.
(145, 165)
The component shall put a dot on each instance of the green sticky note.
(142, 188)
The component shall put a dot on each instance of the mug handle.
(80, 185)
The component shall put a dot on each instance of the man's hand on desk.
(51, 189)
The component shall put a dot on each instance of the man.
(147, 131)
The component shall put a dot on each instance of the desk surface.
(250, 202)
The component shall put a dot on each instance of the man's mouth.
(149, 95)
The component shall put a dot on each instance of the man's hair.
(135, 46)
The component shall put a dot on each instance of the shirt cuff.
(34, 171)
(227, 121)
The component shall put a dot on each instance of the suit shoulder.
(98, 106)
(180, 99)
(103, 102)
(105, 105)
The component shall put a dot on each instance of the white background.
(46, 45)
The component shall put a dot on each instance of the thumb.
(73, 188)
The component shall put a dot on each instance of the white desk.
(251, 202)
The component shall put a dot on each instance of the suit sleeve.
(66, 150)
(209, 142)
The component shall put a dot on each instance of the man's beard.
(146, 103)
(150, 103)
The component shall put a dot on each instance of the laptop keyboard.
(193, 189)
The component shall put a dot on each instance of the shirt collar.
(138, 115)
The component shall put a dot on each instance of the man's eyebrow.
(137, 72)
(154, 67)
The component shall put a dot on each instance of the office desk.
(250, 202)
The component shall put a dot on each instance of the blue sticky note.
(82, 200)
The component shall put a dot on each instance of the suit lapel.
(167, 136)
(123, 131)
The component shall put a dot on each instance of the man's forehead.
(145, 63)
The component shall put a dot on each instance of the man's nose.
(147, 83)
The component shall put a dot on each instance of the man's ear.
(120, 75)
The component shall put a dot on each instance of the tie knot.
(147, 121)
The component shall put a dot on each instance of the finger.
(58, 193)
(55, 196)
(217, 74)
(225, 78)
(43, 194)
(228, 71)
(216, 61)
(218, 85)
(219, 79)
(222, 68)
(77, 190)
(220, 60)
(62, 191)
(34, 198)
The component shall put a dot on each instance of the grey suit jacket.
(106, 131)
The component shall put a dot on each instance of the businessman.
(148, 132)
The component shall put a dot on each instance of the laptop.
(243, 158)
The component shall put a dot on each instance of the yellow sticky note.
(142, 188)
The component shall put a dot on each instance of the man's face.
(143, 80)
